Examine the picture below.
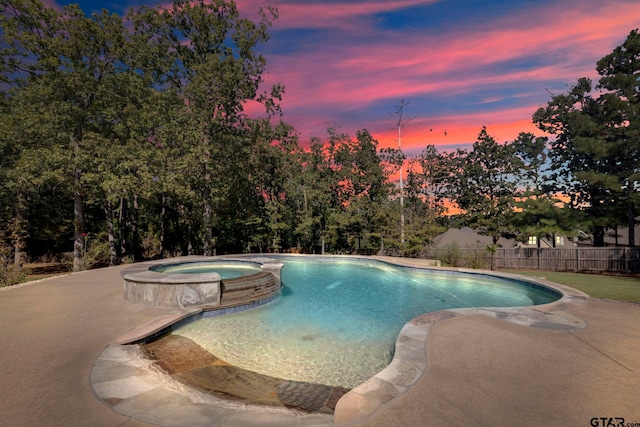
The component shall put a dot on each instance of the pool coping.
(132, 386)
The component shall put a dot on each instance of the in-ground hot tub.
(209, 283)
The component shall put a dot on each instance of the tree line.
(131, 137)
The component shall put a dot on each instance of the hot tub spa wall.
(174, 290)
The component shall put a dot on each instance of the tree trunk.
(113, 254)
(206, 218)
(78, 207)
(18, 228)
(304, 193)
(123, 227)
(631, 217)
(78, 230)
(598, 236)
(163, 214)
(17, 255)
(208, 231)
(135, 230)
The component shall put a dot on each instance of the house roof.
(586, 238)
(468, 238)
(623, 236)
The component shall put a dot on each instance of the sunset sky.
(460, 64)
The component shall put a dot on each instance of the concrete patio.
(481, 370)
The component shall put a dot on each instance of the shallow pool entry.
(337, 321)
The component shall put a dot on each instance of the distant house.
(615, 237)
(549, 241)
(468, 238)
(620, 236)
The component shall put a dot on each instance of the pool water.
(225, 269)
(337, 321)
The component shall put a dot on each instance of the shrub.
(10, 273)
(95, 253)
(151, 248)
(452, 255)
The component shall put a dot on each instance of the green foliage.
(453, 255)
(151, 246)
(127, 139)
(111, 116)
(10, 274)
(595, 153)
(436, 173)
(70, 100)
(338, 193)
(539, 211)
(95, 253)
(482, 185)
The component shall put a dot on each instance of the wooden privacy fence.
(621, 260)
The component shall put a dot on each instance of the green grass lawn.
(595, 285)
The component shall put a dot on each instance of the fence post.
(577, 259)
(626, 258)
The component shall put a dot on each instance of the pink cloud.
(397, 66)
(344, 78)
(51, 3)
(568, 40)
(346, 14)
(338, 81)
(460, 129)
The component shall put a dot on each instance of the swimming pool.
(337, 319)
